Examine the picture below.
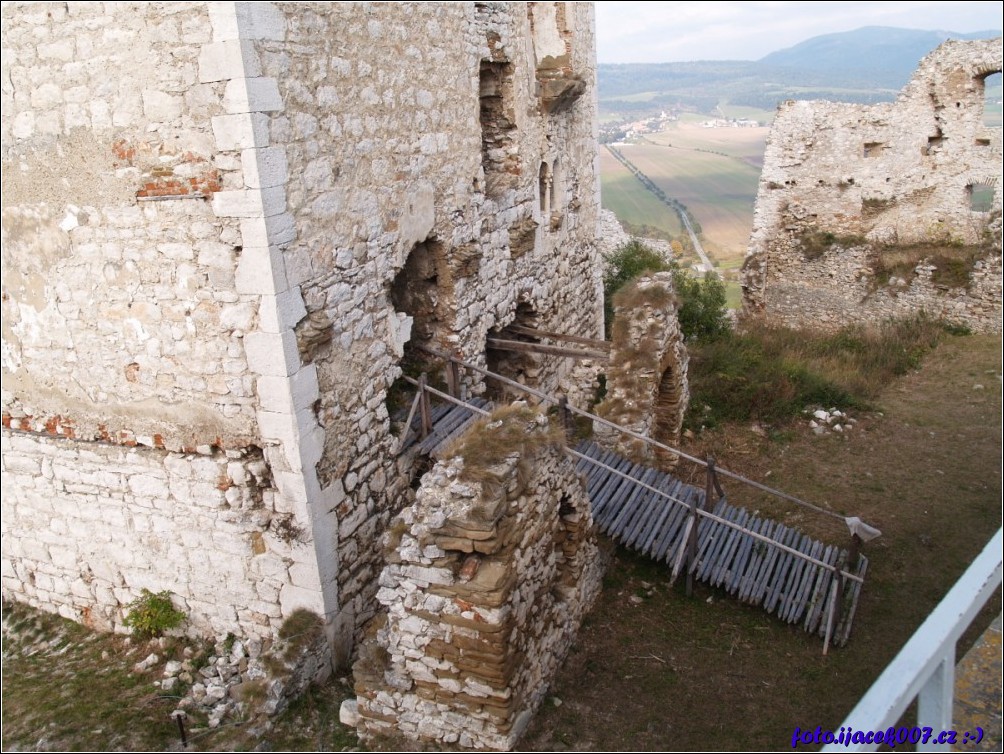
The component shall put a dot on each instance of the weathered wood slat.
(761, 579)
(535, 333)
(676, 536)
(785, 561)
(855, 589)
(680, 524)
(444, 422)
(758, 552)
(798, 599)
(649, 511)
(628, 508)
(656, 524)
(443, 442)
(742, 558)
(789, 593)
(709, 542)
(499, 344)
(620, 488)
(714, 541)
(717, 576)
(654, 507)
(662, 543)
(729, 551)
(608, 485)
(819, 590)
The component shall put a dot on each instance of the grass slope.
(655, 670)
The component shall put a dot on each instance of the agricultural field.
(713, 171)
(633, 204)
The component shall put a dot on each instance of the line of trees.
(677, 206)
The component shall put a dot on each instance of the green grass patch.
(772, 374)
(56, 670)
(953, 265)
(815, 243)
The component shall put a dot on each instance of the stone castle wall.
(484, 590)
(95, 523)
(848, 188)
(224, 224)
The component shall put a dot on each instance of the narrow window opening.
(980, 197)
(992, 95)
(873, 148)
(498, 149)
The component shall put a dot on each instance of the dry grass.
(633, 296)
(815, 243)
(707, 673)
(953, 265)
(772, 374)
(507, 431)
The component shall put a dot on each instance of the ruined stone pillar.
(488, 576)
(647, 389)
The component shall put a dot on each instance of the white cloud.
(655, 32)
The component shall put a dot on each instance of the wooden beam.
(534, 333)
(519, 345)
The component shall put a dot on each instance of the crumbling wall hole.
(422, 292)
(992, 94)
(668, 416)
(980, 196)
(499, 154)
(519, 366)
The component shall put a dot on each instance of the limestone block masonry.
(484, 589)
(647, 388)
(216, 217)
(865, 213)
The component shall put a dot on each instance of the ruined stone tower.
(223, 225)
(866, 212)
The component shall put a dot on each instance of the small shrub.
(703, 308)
(701, 302)
(298, 630)
(627, 262)
(151, 615)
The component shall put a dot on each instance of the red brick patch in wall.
(160, 177)
(203, 185)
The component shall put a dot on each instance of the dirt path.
(656, 670)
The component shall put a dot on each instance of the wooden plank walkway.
(449, 421)
(792, 588)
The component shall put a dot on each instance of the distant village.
(620, 131)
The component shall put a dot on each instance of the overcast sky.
(660, 32)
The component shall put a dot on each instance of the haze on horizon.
(664, 32)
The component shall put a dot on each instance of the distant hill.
(870, 64)
(888, 55)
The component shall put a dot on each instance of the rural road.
(708, 266)
(706, 263)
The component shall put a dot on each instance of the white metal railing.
(925, 668)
